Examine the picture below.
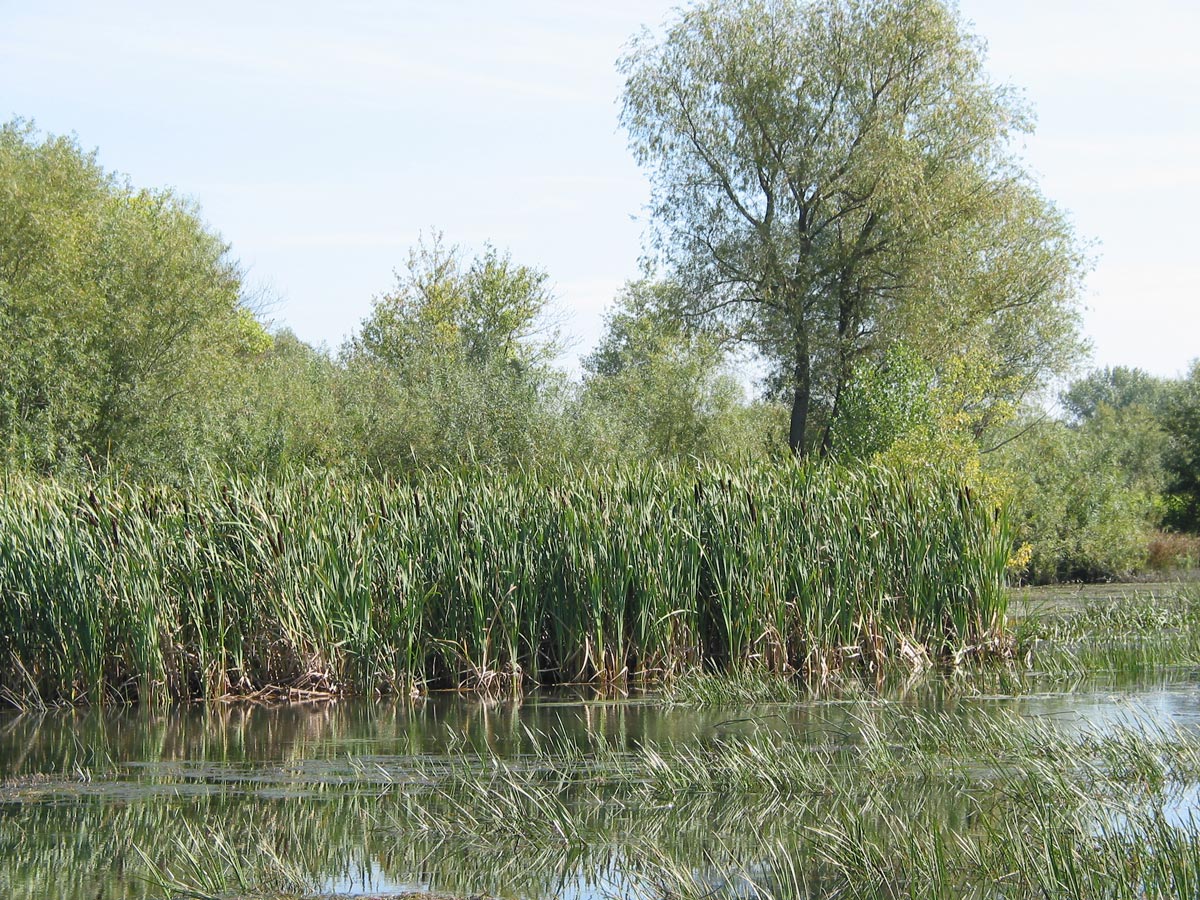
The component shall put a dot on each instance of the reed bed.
(318, 584)
(1133, 636)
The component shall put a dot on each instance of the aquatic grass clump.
(319, 584)
(1128, 614)
(1135, 634)
(718, 689)
(894, 802)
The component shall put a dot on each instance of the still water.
(368, 798)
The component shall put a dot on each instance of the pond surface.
(366, 798)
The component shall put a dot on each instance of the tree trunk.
(802, 378)
(827, 439)
(847, 324)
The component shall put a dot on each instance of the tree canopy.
(659, 388)
(452, 363)
(119, 312)
(834, 176)
(1182, 422)
(1115, 387)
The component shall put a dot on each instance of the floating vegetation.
(890, 803)
(1136, 634)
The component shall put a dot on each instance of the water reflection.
(354, 796)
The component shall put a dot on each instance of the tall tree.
(832, 176)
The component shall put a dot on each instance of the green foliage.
(655, 389)
(1182, 422)
(833, 176)
(906, 414)
(1117, 388)
(282, 412)
(641, 328)
(490, 311)
(51, 203)
(883, 403)
(1151, 427)
(1089, 495)
(120, 315)
(450, 367)
(1076, 501)
(233, 584)
(1090, 492)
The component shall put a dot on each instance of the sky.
(323, 139)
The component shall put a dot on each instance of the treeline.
(1110, 486)
(128, 343)
(129, 348)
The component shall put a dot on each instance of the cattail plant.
(318, 583)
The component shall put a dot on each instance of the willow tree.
(834, 176)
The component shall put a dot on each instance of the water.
(354, 799)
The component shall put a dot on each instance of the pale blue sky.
(321, 138)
